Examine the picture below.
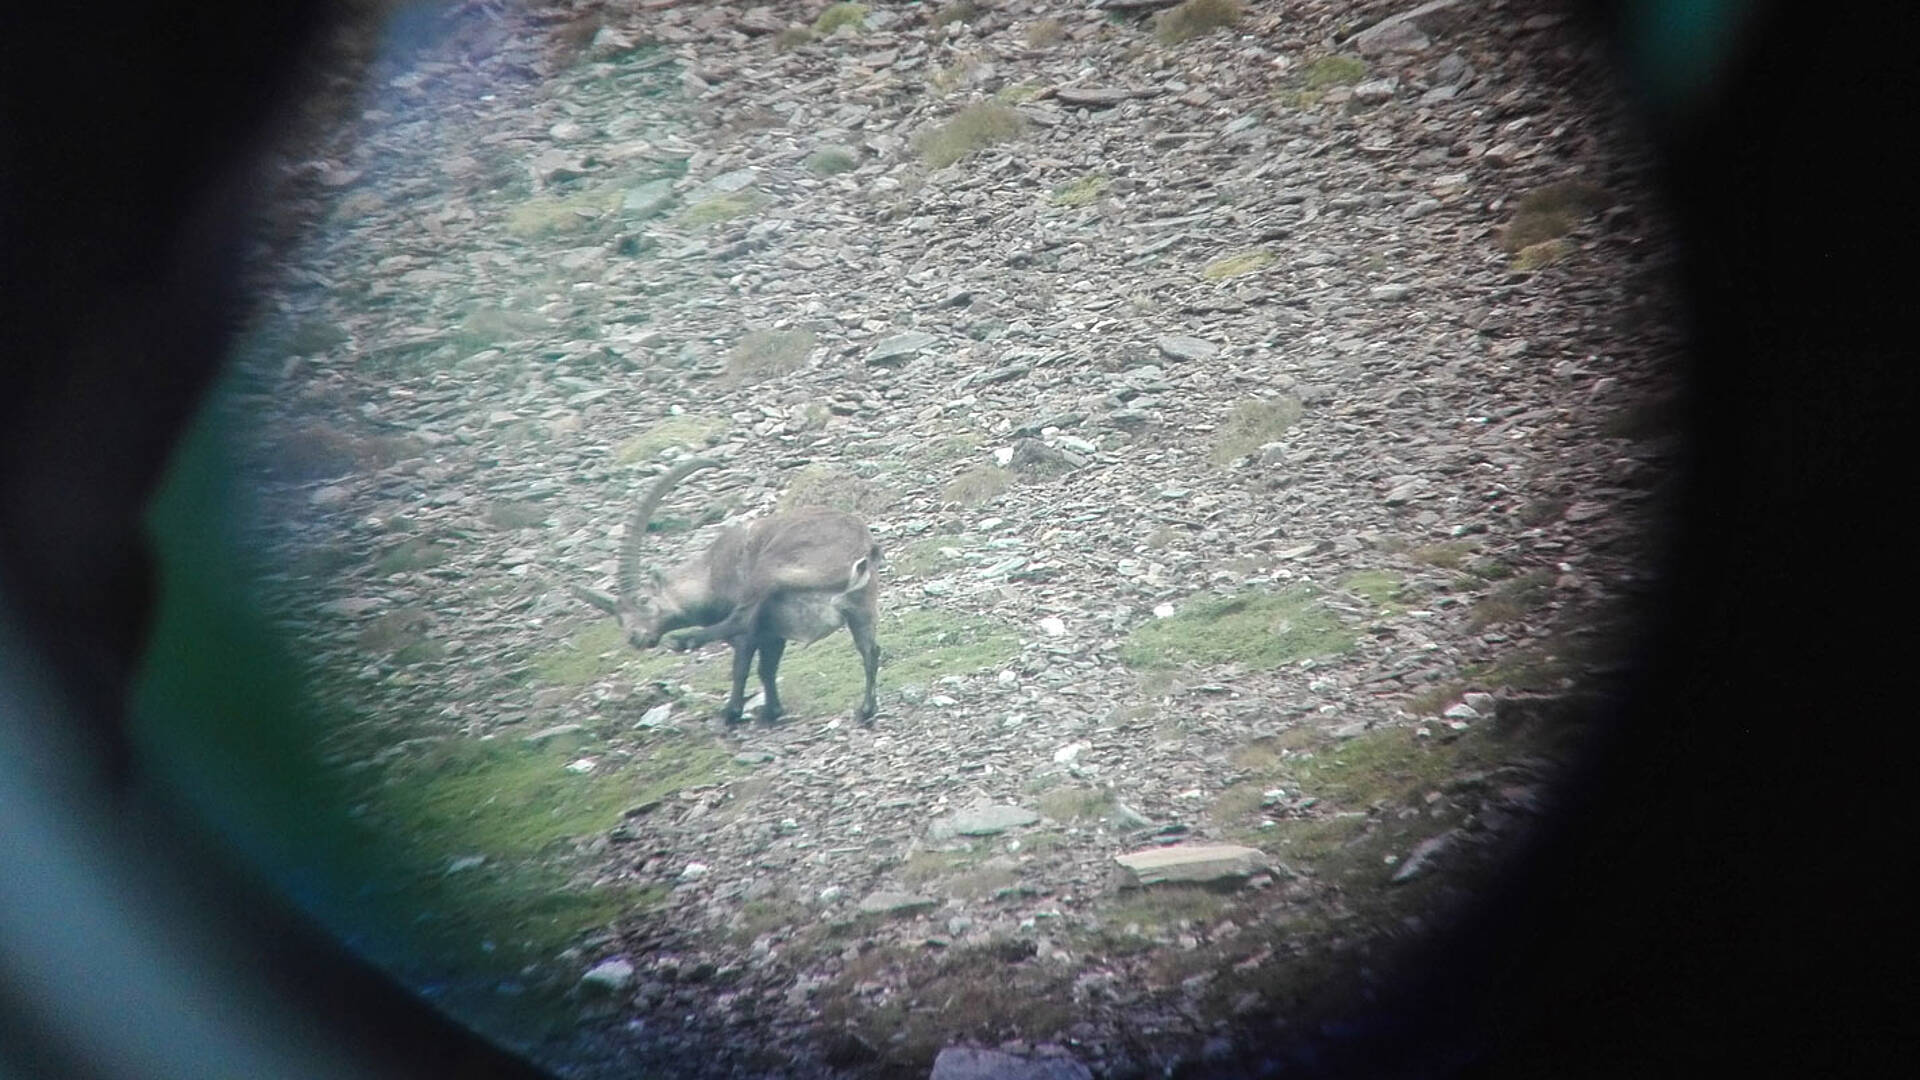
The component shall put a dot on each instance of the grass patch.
(314, 453)
(1256, 629)
(1384, 589)
(1162, 908)
(1450, 555)
(1193, 18)
(970, 129)
(838, 15)
(687, 432)
(417, 554)
(1069, 804)
(1081, 192)
(1043, 32)
(723, 207)
(598, 650)
(764, 354)
(1313, 839)
(513, 514)
(1513, 599)
(818, 485)
(1253, 424)
(1230, 266)
(1550, 212)
(960, 11)
(831, 161)
(1331, 71)
(791, 38)
(928, 556)
(1236, 803)
(977, 485)
(1015, 94)
(1540, 256)
(395, 630)
(917, 646)
(550, 216)
(1385, 765)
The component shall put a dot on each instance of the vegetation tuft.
(1195, 17)
(970, 129)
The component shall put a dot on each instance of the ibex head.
(644, 607)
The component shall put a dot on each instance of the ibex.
(797, 575)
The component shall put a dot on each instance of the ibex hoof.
(731, 716)
(768, 716)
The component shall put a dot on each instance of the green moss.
(792, 38)
(1193, 18)
(1256, 629)
(764, 354)
(723, 207)
(688, 432)
(831, 160)
(1253, 424)
(977, 485)
(838, 15)
(1080, 192)
(970, 129)
(1245, 262)
(1330, 71)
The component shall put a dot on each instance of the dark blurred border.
(1718, 892)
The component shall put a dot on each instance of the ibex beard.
(797, 575)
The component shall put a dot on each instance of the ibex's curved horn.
(631, 570)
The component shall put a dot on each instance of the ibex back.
(792, 576)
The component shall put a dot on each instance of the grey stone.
(608, 976)
(971, 1063)
(896, 350)
(1177, 347)
(1191, 863)
(982, 819)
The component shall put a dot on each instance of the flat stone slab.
(968, 1063)
(898, 348)
(1093, 97)
(1180, 347)
(981, 819)
(1192, 863)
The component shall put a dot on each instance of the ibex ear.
(597, 599)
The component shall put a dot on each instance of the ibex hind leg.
(770, 652)
(743, 650)
(860, 624)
